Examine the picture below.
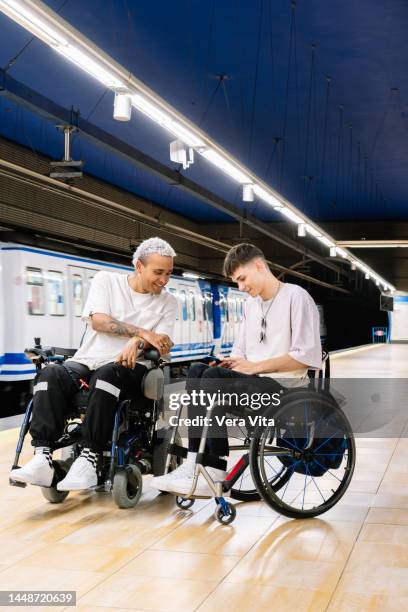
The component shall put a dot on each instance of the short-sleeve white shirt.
(111, 294)
(292, 328)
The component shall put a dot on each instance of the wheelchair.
(138, 446)
(300, 459)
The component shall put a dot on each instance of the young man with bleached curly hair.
(124, 313)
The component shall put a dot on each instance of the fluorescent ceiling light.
(84, 61)
(288, 212)
(312, 231)
(326, 241)
(342, 252)
(29, 20)
(191, 275)
(166, 121)
(224, 164)
(267, 197)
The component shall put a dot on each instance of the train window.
(232, 309)
(191, 305)
(77, 294)
(183, 297)
(224, 308)
(35, 291)
(241, 308)
(208, 306)
(174, 292)
(236, 309)
(56, 301)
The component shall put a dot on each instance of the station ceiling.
(311, 95)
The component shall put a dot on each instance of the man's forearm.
(109, 325)
(285, 363)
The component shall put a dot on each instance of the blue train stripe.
(14, 359)
(16, 373)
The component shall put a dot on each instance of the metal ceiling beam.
(23, 95)
(15, 172)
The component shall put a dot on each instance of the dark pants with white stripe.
(55, 388)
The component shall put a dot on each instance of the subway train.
(43, 292)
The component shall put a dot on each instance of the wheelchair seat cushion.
(153, 384)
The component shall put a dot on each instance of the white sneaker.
(37, 472)
(185, 470)
(182, 486)
(82, 475)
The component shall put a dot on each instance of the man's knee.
(214, 372)
(50, 377)
(196, 370)
(107, 379)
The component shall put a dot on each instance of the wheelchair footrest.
(17, 483)
(211, 461)
(178, 451)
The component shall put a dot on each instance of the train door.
(79, 282)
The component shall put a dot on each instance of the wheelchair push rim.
(309, 486)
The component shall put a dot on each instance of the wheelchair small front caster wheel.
(52, 494)
(127, 486)
(184, 503)
(225, 519)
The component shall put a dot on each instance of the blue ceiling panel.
(336, 148)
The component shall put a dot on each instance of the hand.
(160, 341)
(128, 356)
(239, 364)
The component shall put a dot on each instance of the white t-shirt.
(111, 294)
(292, 328)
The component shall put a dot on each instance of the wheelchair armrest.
(151, 354)
(65, 352)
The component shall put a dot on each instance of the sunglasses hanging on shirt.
(262, 335)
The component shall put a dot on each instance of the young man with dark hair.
(279, 338)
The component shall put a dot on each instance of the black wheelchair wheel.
(184, 503)
(52, 494)
(312, 441)
(221, 517)
(127, 486)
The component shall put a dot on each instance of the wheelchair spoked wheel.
(52, 494)
(127, 486)
(311, 445)
(244, 489)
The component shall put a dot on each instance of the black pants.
(53, 392)
(213, 380)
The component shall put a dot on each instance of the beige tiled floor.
(157, 557)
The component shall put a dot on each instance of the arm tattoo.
(113, 326)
